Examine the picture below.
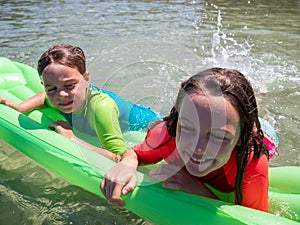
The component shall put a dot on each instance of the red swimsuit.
(158, 145)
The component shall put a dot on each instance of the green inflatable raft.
(85, 168)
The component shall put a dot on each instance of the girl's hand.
(120, 179)
(63, 128)
(174, 177)
(178, 178)
(34, 102)
(9, 103)
(4, 101)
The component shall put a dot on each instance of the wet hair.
(63, 54)
(238, 91)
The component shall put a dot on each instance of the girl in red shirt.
(212, 141)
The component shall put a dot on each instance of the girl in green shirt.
(88, 109)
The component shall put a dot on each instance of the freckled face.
(207, 131)
(66, 88)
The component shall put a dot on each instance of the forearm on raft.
(101, 151)
(34, 102)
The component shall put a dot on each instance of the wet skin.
(66, 88)
(207, 131)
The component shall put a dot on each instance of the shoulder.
(157, 134)
(158, 145)
(158, 127)
(99, 96)
(100, 100)
(257, 166)
(101, 109)
(255, 183)
(156, 137)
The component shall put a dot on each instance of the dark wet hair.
(238, 91)
(64, 54)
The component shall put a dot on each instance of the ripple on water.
(259, 38)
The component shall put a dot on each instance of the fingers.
(53, 126)
(5, 102)
(164, 172)
(170, 175)
(174, 186)
(112, 192)
(130, 186)
(63, 128)
(58, 124)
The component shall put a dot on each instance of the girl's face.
(208, 129)
(66, 88)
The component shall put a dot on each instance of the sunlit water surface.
(142, 50)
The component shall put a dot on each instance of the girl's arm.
(120, 179)
(34, 102)
(178, 178)
(103, 117)
(64, 129)
(101, 151)
(255, 184)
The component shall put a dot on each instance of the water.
(155, 45)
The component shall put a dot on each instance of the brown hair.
(63, 54)
(238, 91)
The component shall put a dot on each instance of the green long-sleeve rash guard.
(99, 117)
(102, 114)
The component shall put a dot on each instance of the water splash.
(215, 45)
(225, 50)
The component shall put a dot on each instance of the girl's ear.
(86, 76)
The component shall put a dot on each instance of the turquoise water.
(142, 50)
